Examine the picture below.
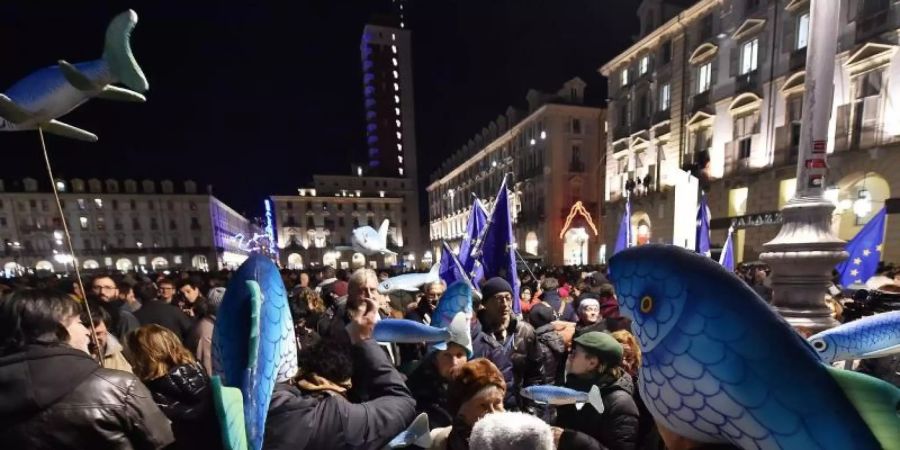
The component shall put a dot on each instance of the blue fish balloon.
(456, 299)
(253, 343)
(558, 395)
(869, 337)
(47, 94)
(403, 331)
(720, 366)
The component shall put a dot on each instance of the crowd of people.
(145, 381)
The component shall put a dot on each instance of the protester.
(589, 318)
(505, 341)
(334, 297)
(199, 339)
(476, 389)
(550, 344)
(189, 295)
(160, 312)
(179, 386)
(166, 290)
(306, 309)
(56, 396)
(596, 361)
(429, 381)
(314, 411)
(422, 313)
(121, 319)
(511, 431)
(107, 344)
(126, 295)
(526, 300)
(648, 436)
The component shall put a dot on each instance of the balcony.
(661, 116)
(748, 82)
(798, 59)
(872, 25)
(700, 101)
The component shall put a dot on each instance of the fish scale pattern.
(254, 356)
(855, 339)
(457, 298)
(720, 366)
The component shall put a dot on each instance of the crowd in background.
(153, 340)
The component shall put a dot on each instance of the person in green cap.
(596, 360)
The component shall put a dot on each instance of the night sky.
(279, 87)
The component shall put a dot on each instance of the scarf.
(315, 383)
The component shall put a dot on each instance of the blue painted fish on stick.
(38, 100)
(403, 331)
(720, 366)
(869, 337)
(558, 395)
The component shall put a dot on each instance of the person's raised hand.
(362, 321)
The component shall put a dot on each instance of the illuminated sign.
(270, 229)
(578, 208)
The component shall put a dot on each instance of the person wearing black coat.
(549, 343)
(596, 361)
(430, 379)
(55, 396)
(315, 411)
(158, 312)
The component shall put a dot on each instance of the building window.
(644, 65)
(340, 221)
(665, 97)
(99, 203)
(135, 223)
(81, 204)
(802, 31)
(744, 147)
(154, 224)
(101, 224)
(3, 222)
(133, 205)
(624, 77)
(704, 77)
(87, 244)
(170, 205)
(576, 126)
(749, 56)
(195, 224)
(744, 128)
(667, 52)
(115, 205)
(150, 205)
(193, 206)
(84, 222)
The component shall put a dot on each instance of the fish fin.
(409, 289)
(875, 400)
(255, 314)
(65, 130)
(418, 434)
(229, 406)
(77, 78)
(382, 232)
(596, 400)
(579, 405)
(121, 94)
(12, 112)
(117, 52)
(883, 352)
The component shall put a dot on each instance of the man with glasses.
(166, 290)
(160, 311)
(105, 289)
(424, 308)
(507, 342)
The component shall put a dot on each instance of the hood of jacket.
(548, 336)
(34, 379)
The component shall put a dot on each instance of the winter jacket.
(123, 319)
(617, 427)
(517, 357)
(55, 397)
(165, 315)
(553, 354)
(886, 368)
(200, 342)
(415, 352)
(185, 397)
(113, 357)
(320, 420)
(563, 309)
(580, 329)
(430, 392)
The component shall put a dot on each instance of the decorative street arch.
(578, 208)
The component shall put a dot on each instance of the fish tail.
(876, 401)
(117, 52)
(595, 399)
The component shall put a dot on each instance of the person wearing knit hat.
(501, 338)
(596, 360)
(476, 389)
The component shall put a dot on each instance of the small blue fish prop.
(39, 99)
(418, 434)
(253, 343)
(409, 282)
(868, 337)
(558, 395)
(720, 366)
(403, 331)
(456, 299)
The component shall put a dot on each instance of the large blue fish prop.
(720, 366)
(410, 282)
(870, 337)
(253, 344)
(38, 100)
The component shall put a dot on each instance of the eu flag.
(726, 259)
(451, 270)
(702, 242)
(498, 251)
(865, 252)
(474, 229)
(623, 240)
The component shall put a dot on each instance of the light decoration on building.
(578, 208)
(270, 228)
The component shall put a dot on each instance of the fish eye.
(646, 304)
(819, 345)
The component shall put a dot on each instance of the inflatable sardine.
(38, 100)
(870, 337)
(253, 343)
(720, 366)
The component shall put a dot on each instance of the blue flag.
(623, 240)
(726, 259)
(451, 270)
(865, 252)
(702, 243)
(498, 251)
(474, 228)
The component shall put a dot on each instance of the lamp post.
(805, 250)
